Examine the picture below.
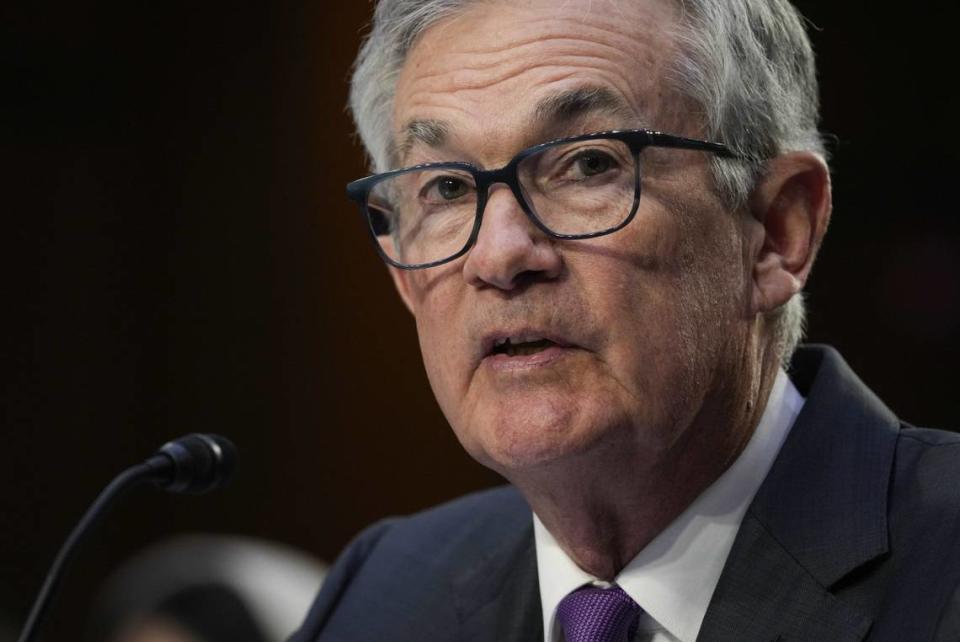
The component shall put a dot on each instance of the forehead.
(481, 73)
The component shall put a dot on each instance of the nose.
(509, 248)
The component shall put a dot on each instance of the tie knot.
(593, 614)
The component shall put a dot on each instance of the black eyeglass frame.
(636, 139)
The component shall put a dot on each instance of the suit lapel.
(765, 595)
(820, 514)
(499, 598)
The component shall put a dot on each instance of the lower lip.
(545, 357)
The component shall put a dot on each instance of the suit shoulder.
(926, 479)
(929, 437)
(404, 567)
(473, 522)
(451, 535)
(929, 458)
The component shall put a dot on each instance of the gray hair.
(747, 64)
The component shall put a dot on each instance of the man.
(605, 314)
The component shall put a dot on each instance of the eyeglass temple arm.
(658, 139)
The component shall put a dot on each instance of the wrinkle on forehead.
(457, 70)
(485, 49)
(556, 110)
(570, 104)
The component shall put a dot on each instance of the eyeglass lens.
(573, 188)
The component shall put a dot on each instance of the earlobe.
(792, 203)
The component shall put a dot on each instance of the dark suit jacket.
(854, 534)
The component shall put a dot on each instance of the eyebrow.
(562, 108)
(432, 133)
(568, 106)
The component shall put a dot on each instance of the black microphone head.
(195, 463)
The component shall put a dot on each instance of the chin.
(537, 437)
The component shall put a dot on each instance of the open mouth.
(520, 347)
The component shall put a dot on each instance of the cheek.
(711, 298)
(439, 362)
(672, 310)
(439, 313)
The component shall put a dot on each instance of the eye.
(592, 163)
(449, 188)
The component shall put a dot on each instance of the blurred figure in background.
(202, 613)
(206, 588)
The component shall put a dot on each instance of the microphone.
(194, 464)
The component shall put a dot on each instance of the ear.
(792, 203)
(401, 280)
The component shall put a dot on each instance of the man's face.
(640, 326)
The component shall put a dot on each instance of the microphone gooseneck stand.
(194, 464)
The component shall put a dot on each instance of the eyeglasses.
(571, 188)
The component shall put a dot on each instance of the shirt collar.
(674, 576)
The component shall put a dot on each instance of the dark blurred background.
(178, 255)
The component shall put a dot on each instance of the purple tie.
(592, 614)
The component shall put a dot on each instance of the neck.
(605, 505)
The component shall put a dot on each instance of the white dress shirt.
(674, 576)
